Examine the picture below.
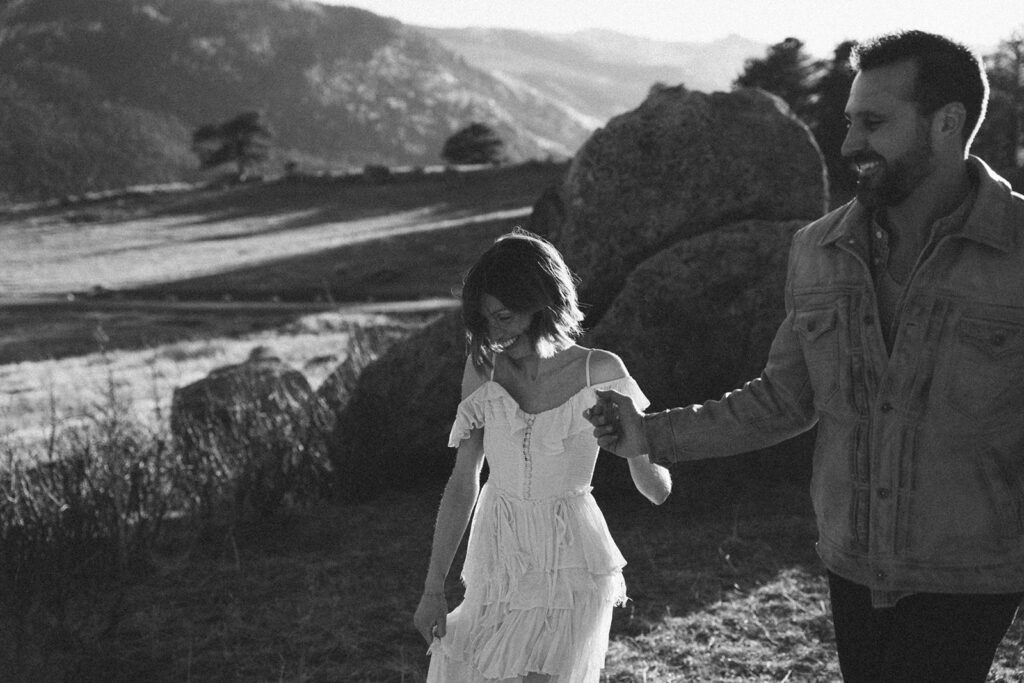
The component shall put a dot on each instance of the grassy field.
(723, 579)
(723, 588)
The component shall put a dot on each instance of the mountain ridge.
(602, 72)
(101, 94)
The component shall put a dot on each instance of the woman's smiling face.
(506, 329)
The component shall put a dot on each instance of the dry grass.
(723, 580)
(721, 590)
(155, 239)
(42, 395)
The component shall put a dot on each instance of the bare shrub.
(98, 501)
(87, 514)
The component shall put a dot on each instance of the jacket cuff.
(660, 438)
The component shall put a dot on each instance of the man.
(904, 342)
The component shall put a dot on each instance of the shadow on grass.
(723, 580)
(412, 267)
(408, 267)
(52, 332)
(353, 198)
(328, 594)
(730, 525)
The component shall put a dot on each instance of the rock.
(681, 164)
(548, 213)
(253, 431)
(697, 320)
(366, 344)
(393, 433)
(337, 387)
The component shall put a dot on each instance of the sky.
(820, 24)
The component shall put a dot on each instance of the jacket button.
(811, 325)
(998, 339)
(883, 493)
(886, 407)
(880, 575)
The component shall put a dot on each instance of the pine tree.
(243, 141)
(475, 144)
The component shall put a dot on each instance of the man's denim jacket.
(918, 475)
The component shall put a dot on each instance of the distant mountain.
(598, 73)
(100, 93)
(97, 94)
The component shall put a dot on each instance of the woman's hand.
(618, 425)
(431, 616)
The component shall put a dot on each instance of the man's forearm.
(743, 420)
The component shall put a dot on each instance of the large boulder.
(253, 433)
(393, 431)
(681, 164)
(366, 343)
(548, 213)
(696, 321)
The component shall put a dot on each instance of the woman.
(542, 572)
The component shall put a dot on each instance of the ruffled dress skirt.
(542, 577)
(542, 572)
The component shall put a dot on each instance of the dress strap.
(589, 353)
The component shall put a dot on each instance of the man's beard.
(889, 183)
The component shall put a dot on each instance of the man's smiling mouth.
(867, 168)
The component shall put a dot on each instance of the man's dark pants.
(931, 637)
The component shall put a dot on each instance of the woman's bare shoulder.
(473, 377)
(605, 366)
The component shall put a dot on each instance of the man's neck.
(936, 196)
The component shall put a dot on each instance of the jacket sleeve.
(772, 408)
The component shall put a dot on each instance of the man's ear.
(949, 121)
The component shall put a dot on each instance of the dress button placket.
(527, 476)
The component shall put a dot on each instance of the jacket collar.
(992, 220)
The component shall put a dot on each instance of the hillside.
(105, 93)
(598, 73)
(162, 265)
(101, 94)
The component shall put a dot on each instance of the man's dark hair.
(947, 71)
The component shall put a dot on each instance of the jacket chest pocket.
(818, 331)
(987, 369)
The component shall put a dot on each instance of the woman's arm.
(453, 517)
(653, 481)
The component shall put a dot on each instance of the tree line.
(816, 91)
(244, 141)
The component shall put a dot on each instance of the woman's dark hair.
(947, 71)
(525, 273)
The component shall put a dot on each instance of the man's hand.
(618, 425)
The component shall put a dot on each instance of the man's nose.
(852, 143)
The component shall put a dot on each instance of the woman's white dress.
(542, 572)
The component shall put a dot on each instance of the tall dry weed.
(86, 509)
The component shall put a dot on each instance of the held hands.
(618, 425)
(431, 616)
